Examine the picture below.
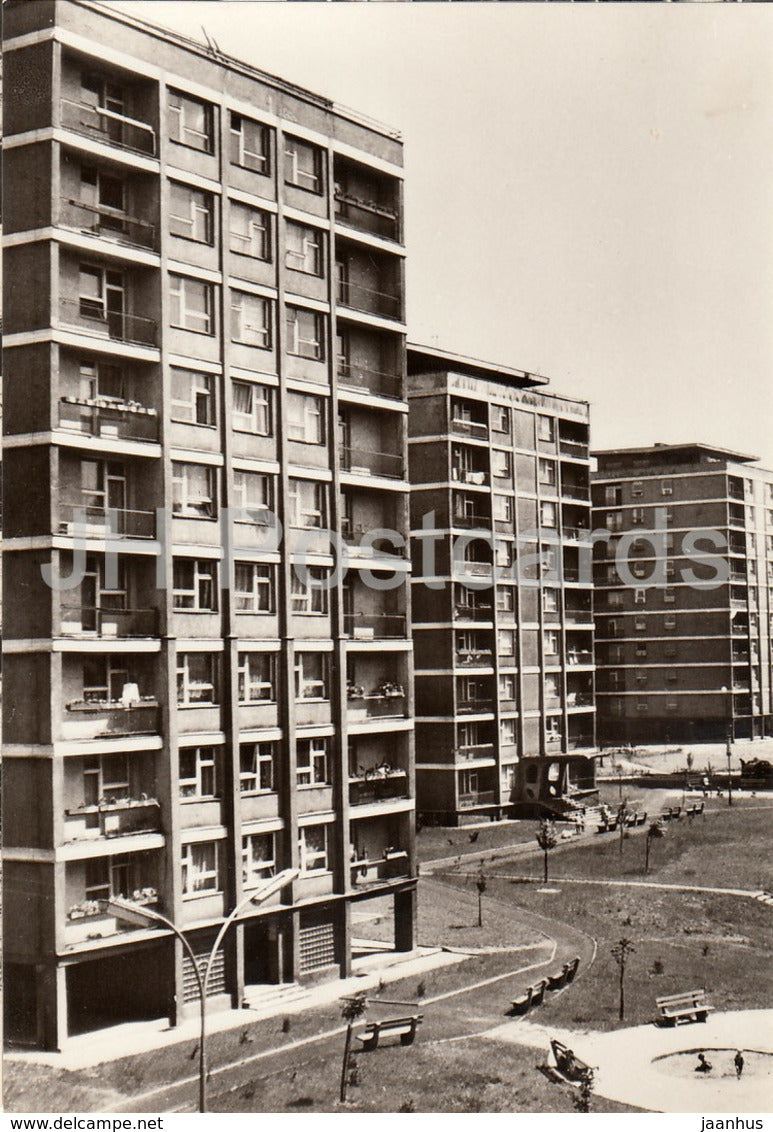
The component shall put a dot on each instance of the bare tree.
(547, 839)
(620, 952)
(622, 813)
(654, 831)
(352, 1009)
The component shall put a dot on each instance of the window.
(195, 585)
(614, 521)
(313, 848)
(550, 601)
(641, 650)
(197, 776)
(191, 213)
(669, 596)
(311, 676)
(553, 730)
(309, 590)
(505, 599)
(613, 496)
(637, 487)
(500, 418)
(640, 597)
(107, 778)
(503, 509)
(256, 677)
(641, 677)
(303, 248)
(193, 397)
(196, 678)
(507, 686)
(640, 624)
(307, 504)
(500, 463)
(547, 473)
(637, 515)
(670, 651)
(250, 320)
(666, 487)
(258, 858)
(615, 599)
(193, 491)
(191, 122)
(191, 304)
(252, 498)
(101, 296)
(252, 408)
(249, 144)
(312, 762)
(642, 705)
(303, 165)
(200, 868)
(548, 514)
(104, 678)
(249, 231)
(507, 732)
(256, 767)
(546, 428)
(550, 639)
(503, 553)
(506, 643)
(253, 587)
(672, 676)
(669, 621)
(305, 418)
(305, 334)
(107, 878)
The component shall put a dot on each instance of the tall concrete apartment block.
(678, 661)
(204, 321)
(500, 473)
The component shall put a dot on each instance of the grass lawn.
(434, 842)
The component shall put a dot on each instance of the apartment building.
(502, 590)
(685, 653)
(204, 317)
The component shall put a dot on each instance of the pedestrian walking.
(738, 1063)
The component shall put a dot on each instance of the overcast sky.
(589, 188)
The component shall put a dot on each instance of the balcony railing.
(380, 382)
(575, 742)
(377, 787)
(108, 126)
(471, 522)
(116, 325)
(80, 519)
(573, 448)
(471, 751)
(368, 215)
(372, 870)
(578, 617)
(112, 819)
(579, 699)
(740, 658)
(374, 626)
(376, 706)
(108, 223)
(476, 569)
(106, 719)
(478, 429)
(107, 419)
(576, 491)
(579, 657)
(473, 477)
(474, 657)
(372, 463)
(576, 534)
(479, 798)
(82, 621)
(473, 612)
(474, 706)
(369, 300)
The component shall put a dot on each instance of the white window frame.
(303, 509)
(312, 762)
(203, 577)
(258, 160)
(252, 494)
(187, 504)
(257, 419)
(305, 418)
(256, 678)
(508, 735)
(197, 785)
(191, 213)
(501, 464)
(295, 172)
(184, 133)
(309, 591)
(183, 316)
(305, 333)
(312, 687)
(250, 320)
(550, 642)
(187, 686)
(200, 868)
(259, 598)
(249, 231)
(313, 860)
(255, 866)
(304, 250)
(257, 767)
(198, 407)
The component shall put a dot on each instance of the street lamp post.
(729, 752)
(140, 914)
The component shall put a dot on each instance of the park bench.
(571, 968)
(568, 1063)
(694, 809)
(558, 980)
(404, 1027)
(532, 996)
(691, 1006)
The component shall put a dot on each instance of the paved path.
(749, 893)
(633, 1066)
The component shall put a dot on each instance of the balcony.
(471, 522)
(368, 300)
(107, 223)
(579, 656)
(476, 569)
(378, 786)
(364, 461)
(110, 420)
(576, 491)
(108, 126)
(472, 477)
(578, 617)
(473, 751)
(573, 448)
(473, 612)
(90, 316)
(580, 742)
(108, 624)
(374, 626)
(375, 705)
(479, 798)
(474, 706)
(120, 818)
(392, 866)
(367, 215)
(89, 919)
(476, 429)
(81, 520)
(379, 382)
(576, 534)
(474, 658)
(106, 719)
(579, 700)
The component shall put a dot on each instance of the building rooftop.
(422, 359)
(211, 51)
(683, 453)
